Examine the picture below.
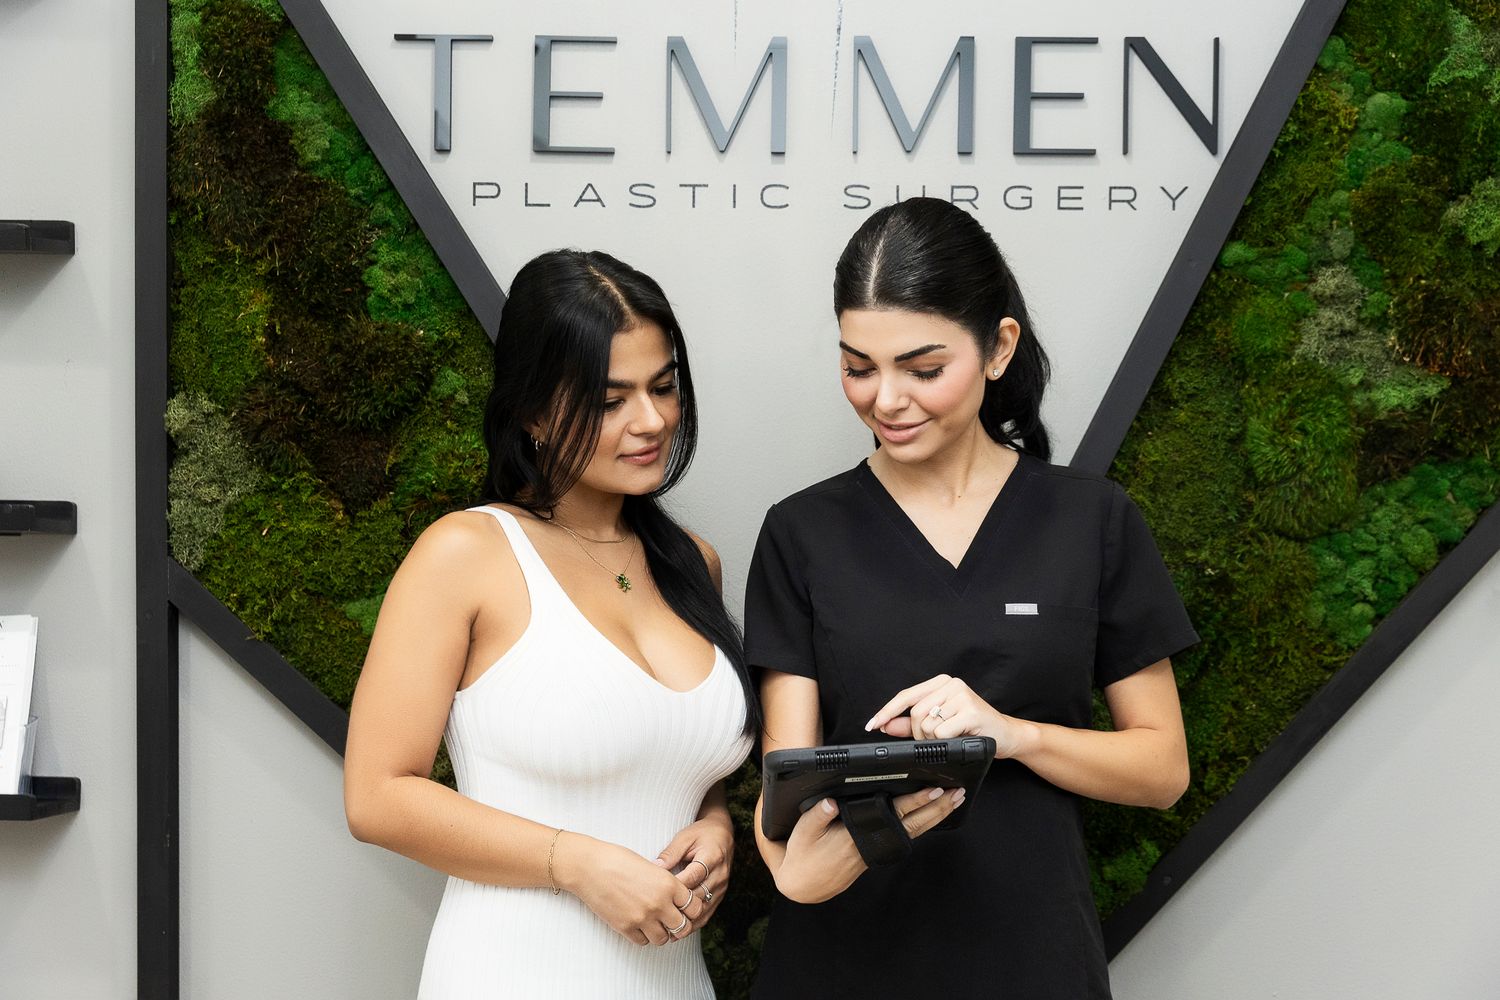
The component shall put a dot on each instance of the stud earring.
(994, 373)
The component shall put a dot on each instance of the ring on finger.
(706, 870)
(708, 894)
(674, 931)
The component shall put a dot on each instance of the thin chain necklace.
(597, 541)
(621, 580)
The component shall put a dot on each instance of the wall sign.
(730, 150)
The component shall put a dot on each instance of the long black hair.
(926, 255)
(551, 369)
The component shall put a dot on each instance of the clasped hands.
(657, 901)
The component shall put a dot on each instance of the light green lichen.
(211, 470)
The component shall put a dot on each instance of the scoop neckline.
(598, 633)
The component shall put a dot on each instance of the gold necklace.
(597, 541)
(621, 580)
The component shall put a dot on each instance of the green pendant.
(623, 582)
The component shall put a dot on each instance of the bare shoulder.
(456, 535)
(710, 557)
(457, 548)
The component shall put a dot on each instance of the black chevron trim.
(401, 163)
(286, 683)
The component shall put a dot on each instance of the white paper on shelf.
(17, 669)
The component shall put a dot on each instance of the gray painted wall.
(277, 899)
(67, 885)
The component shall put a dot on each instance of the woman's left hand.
(701, 856)
(943, 707)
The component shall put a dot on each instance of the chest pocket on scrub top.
(1043, 654)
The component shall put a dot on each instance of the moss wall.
(1321, 434)
(1325, 427)
(328, 378)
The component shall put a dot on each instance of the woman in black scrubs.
(957, 584)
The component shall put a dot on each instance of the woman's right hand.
(821, 859)
(638, 898)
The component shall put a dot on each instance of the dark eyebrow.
(926, 349)
(627, 386)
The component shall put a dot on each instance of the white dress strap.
(540, 582)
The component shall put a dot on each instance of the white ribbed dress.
(566, 730)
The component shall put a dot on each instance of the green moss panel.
(315, 339)
(1341, 362)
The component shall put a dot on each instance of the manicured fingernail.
(871, 724)
(958, 797)
(934, 793)
(828, 805)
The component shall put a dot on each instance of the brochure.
(17, 668)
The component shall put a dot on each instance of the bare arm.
(401, 704)
(711, 560)
(415, 664)
(792, 719)
(1142, 762)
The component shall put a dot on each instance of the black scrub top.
(1062, 590)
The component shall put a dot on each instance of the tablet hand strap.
(877, 831)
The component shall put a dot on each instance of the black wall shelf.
(49, 517)
(36, 236)
(49, 797)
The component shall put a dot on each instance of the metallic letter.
(1113, 201)
(1206, 128)
(971, 199)
(1021, 145)
(775, 57)
(963, 57)
(442, 83)
(542, 94)
(769, 187)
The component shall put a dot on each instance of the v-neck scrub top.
(1061, 590)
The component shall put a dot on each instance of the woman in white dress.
(569, 641)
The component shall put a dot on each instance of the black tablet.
(793, 781)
